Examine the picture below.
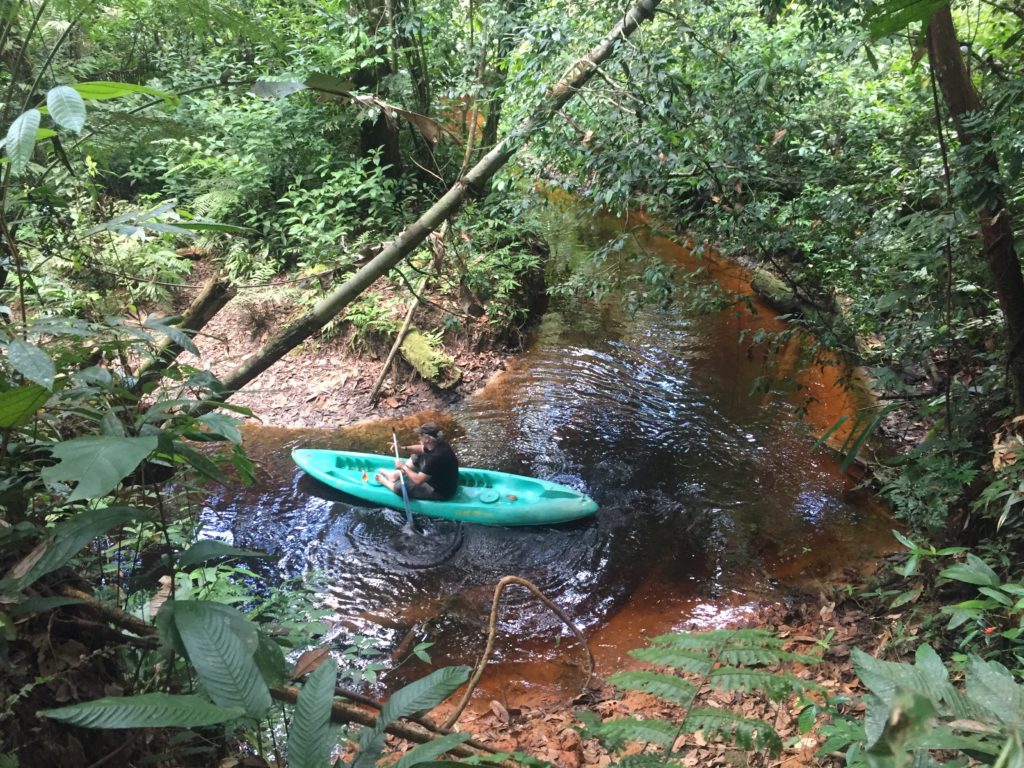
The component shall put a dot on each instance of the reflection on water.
(709, 495)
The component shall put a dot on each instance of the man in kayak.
(432, 472)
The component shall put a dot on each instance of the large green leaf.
(102, 90)
(66, 107)
(975, 571)
(425, 753)
(152, 710)
(892, 16)
(992, 687)
(420, 695)
(927, 677)
(318, 81)
(271, 661)
(21, 139)
(276, 89)
(69, 537)
(423, 694)
(308, 745)
(747, 733)
(31, 362)
(207, 549)
(177, 335)
(97, 463)
(223, 425)
(223, 659)
(19, 405)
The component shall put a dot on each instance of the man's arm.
(412, 476)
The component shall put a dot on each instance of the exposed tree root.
(492, 630)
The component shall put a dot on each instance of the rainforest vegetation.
(865, 155)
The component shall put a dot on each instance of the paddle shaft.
(401, 479)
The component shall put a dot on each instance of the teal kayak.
(483, 496)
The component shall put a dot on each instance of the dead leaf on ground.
(499, 711)
(308, 662)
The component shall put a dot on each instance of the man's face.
(428, 442)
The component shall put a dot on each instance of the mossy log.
(775, 292)
(430, 362)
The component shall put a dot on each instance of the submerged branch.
(492, 631)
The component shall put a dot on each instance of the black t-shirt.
(441, 466)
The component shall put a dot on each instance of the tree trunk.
(497, 78)
(381, 133)
(996, 225)
(448, 205)
(214, 296)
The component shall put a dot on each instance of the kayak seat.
(552, 493)
(474, 479)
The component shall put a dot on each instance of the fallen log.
(474, 181)
(214, 296)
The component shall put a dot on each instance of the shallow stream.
(712, 498)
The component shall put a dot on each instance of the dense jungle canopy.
(328, 159)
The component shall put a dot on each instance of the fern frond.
(748, 734)
(777, 685)
(719, 638)
(215, 200)
(642, 761)
(696, 662)
(625, 729)
(766, 657)
(664, 686)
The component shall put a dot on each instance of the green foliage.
(914, 714)
(151, 710)
(310, 728)
(371, 320)
(994, 618)
(68, 538)
(220, 644)
(988, 623)
(423, 694)
(923, 491)
(914, 710)
(97, 463)
(745, 660)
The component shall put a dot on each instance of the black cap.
(429, 428)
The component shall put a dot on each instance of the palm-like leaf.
(223, 660)
(19, 405)
(626, 729)
(749, 734)
(308, 746)
(694, 662)
(152, 710)
(425, 753)
(422, 694)
(776, 684)
(664, 686)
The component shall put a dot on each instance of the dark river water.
(712, 498)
